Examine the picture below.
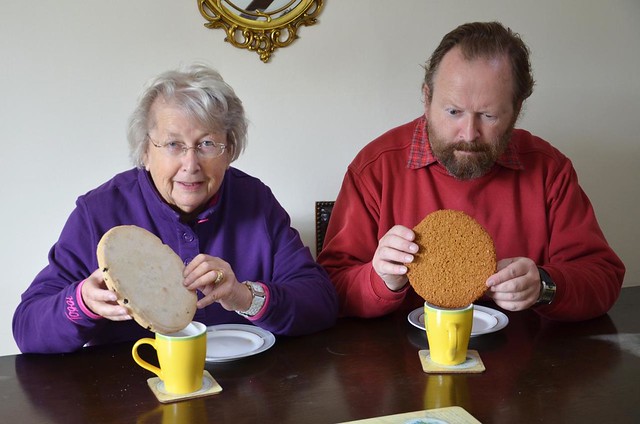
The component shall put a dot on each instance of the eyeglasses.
(207, 149)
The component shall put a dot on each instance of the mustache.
(464, 146)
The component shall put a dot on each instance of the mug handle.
(453, 341)
(144, 364)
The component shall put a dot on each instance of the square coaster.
(472, 365)
(209, 387)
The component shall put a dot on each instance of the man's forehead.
(459, 76)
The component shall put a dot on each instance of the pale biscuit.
(455, 258)
(147, 277)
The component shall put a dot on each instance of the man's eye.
(453, 112)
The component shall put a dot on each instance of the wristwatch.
(547, 288)
(259, 297)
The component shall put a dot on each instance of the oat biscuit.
(455, 258)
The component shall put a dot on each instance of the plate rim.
(495, 320)
(267, 336)
(256, 340)
(502, 318)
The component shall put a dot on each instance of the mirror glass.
(261, 10)
(260, 25)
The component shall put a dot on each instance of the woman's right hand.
(100, 300)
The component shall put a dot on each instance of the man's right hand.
(395, 249)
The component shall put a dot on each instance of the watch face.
(548, 292)
(548, 289)
(257, 288)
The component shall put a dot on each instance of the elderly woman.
(188, 128)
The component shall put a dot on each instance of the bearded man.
(465, 154)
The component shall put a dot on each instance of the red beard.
(466, 167)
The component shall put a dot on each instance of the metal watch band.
(257, 302)
(547, 289)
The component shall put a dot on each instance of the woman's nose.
(191, 160)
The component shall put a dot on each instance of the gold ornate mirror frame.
(260, 25)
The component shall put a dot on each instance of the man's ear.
(425, 99)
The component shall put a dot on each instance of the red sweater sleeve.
(347, 254)
(587, 272)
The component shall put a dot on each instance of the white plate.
(482, 322)
(228, 342)
(485, 320)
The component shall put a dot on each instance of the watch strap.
(258, 300)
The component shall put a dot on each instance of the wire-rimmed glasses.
(208, 149)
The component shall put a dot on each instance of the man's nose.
(469, 130)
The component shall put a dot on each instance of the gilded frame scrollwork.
(257, 30)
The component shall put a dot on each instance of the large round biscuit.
(455, 258)
(147, 277)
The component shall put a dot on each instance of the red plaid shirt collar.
(421, 155)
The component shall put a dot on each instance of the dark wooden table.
(537, 371)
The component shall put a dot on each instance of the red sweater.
(534, 209)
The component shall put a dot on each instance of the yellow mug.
(448, 333)
(181, 356)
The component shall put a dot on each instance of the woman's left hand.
(217, 281)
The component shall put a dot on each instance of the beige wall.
(71, 71)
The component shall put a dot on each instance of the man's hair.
(486, 40)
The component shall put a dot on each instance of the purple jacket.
(247, 227)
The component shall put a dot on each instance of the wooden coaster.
(209, 387)
(472, 365)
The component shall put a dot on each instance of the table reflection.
(176, 413)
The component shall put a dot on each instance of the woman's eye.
(207, 143)
(174, 146)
